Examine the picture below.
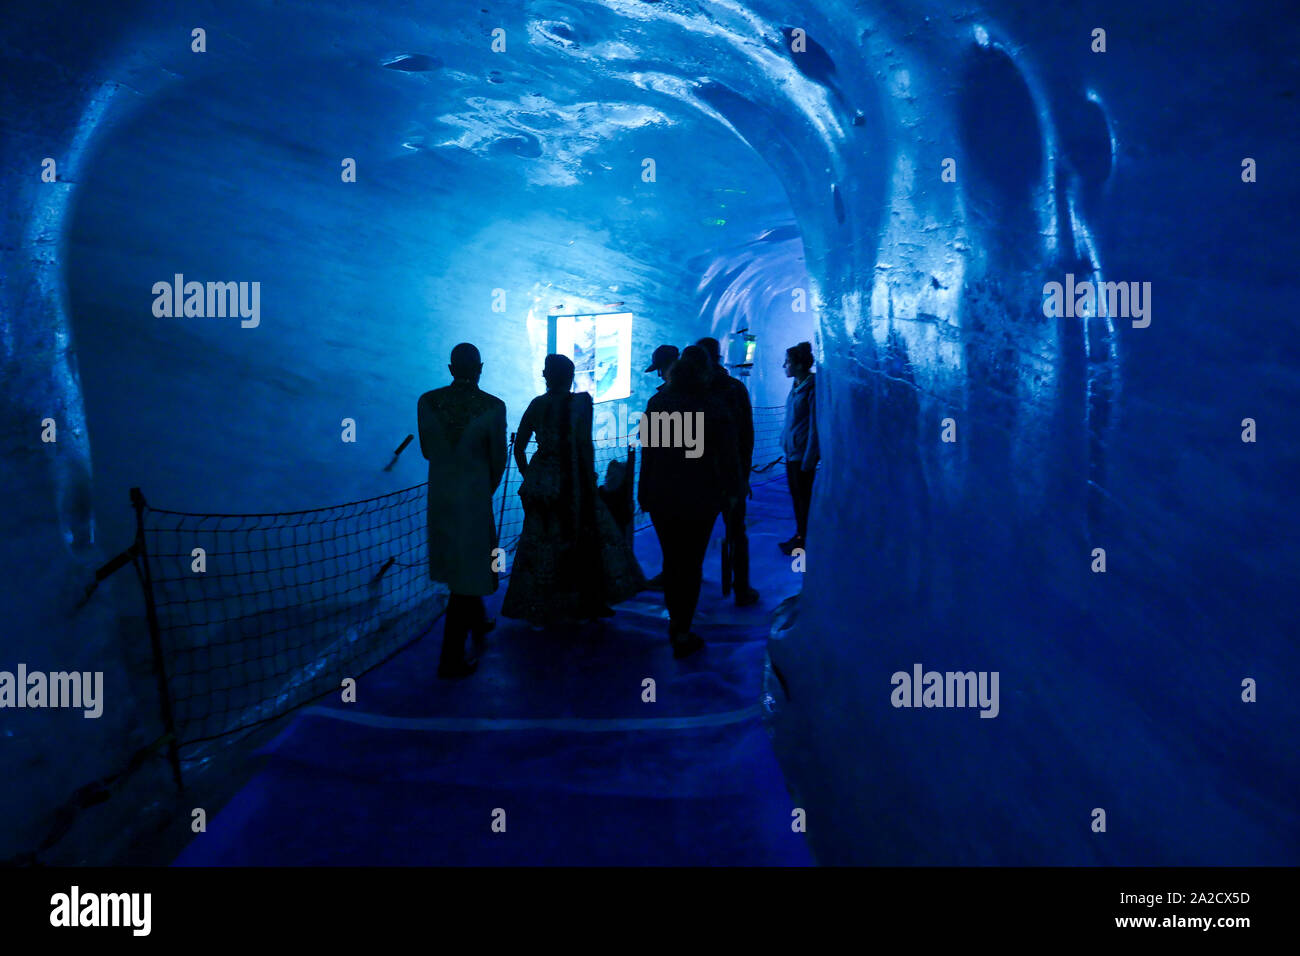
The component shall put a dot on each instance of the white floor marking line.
(580, 724)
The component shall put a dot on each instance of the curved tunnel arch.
(837, 249)
(779, 143)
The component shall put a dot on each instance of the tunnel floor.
(551, 736)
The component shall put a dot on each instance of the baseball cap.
(664, 356)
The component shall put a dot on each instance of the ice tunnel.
(1085, 498)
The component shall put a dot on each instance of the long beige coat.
(463, 435)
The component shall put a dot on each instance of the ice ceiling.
(507, 149)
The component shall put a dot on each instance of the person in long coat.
(463, 436)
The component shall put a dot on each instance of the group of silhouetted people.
(574, 557)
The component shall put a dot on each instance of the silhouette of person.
(732, 393)
(661, 362)
(463, 436)
(799, 438)
(572, 561)
(685, 485)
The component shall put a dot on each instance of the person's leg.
(809, 477)
(736, 534)
(457, 620)
(667, 529)
(803, 501)
(480, 623)
(793, 483)
(684, 543)
(695, 535)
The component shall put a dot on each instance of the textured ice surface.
(522, 170)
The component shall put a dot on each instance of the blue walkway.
(551, 733)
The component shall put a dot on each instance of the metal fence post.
(505, 487)
(155, 638)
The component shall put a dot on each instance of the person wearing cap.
(463, 437)
(662, 361)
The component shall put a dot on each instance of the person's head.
(690, 373)
(712, 349)
(663, 360)
(466, 365)
(558, 372)
(798, 360)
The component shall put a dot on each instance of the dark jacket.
(672, 483)
(732, 393)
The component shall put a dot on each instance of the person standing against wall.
(799, 438)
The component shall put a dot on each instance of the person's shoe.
(481, 629)
(787, 547)
(746, 598)
(656, 583)
(458, 670)
(686, 646)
